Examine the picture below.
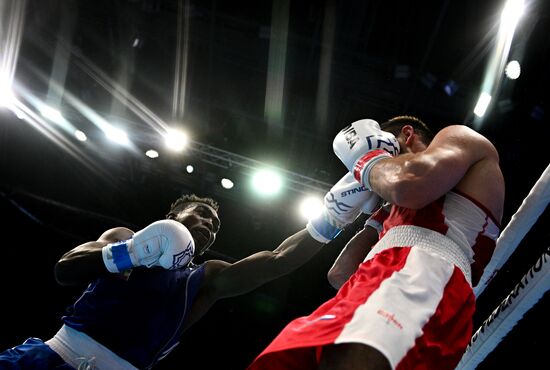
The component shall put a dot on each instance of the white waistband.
(82, 352)
(425, 239)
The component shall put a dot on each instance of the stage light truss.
(227, 160)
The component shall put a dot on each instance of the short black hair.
(395, 124)
(182, 202)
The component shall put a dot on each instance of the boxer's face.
(203, 224)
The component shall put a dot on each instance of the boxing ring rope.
(520, 223)
(525, 295)
(530, 288)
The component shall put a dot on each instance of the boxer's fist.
(341, 206)
(360, 145)
(165, 243)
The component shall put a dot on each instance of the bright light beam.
(510, 16)
(119, 93)
(37, 122)
(116, 135)
(10, 42)
(111, 132)
(6, 94)
(482, 104)
(511, 13)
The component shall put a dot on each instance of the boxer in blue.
(143, 289)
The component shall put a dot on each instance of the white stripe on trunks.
(385, 321)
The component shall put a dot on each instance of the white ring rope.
(525, 295)
(520, 223)
(527, 292)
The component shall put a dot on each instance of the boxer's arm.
(351, 256)
(413, 180)
(84, 263)
(261, 267)
(357, 248)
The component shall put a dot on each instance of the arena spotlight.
(51, 114)
(151, 153)
(311, 207)
(175, 140)
(54, 116)
(266, 182)
(482, 104)
(116, 135)
(80, 136)
(189, 168)
(512, 70)
(511, 14)
(226, 183)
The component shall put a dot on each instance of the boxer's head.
(412, 134)
(200, 216)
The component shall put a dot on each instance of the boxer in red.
(409, 304)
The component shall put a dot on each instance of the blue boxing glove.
(344, 202)
(165, 243)
(360, 145)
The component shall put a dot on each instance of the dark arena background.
(253, 84)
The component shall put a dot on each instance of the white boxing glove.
(361, 144)
(342, 204)
(165, 243)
